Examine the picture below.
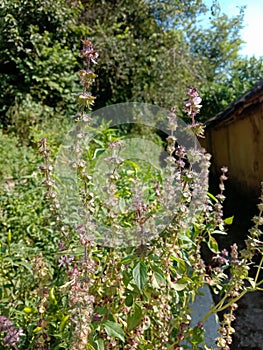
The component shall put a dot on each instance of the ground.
(249, 323)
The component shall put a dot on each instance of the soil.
(249, 323)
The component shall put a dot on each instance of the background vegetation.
(150, 51)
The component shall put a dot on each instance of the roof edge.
(238, 103)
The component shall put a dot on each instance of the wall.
(237, 142)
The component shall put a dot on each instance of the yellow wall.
(238, 144)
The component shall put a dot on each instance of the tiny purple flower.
(13, 337)
(65, 260)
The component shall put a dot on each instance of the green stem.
(258, 270)
(218, 307)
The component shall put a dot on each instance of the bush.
(38, 52)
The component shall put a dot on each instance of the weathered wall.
(237, 142)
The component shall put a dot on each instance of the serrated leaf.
(114, 330)
(229, 221)
(134, 317)
(139, 273)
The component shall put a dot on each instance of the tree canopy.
(150, 51)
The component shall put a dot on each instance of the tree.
(142, 58)
(150, 51)
(226, 73)
(39, 43)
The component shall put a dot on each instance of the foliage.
(150, 51)
(17, 161)
(37, 45)
(241, 75)
(25, 233)
(82, 293)
(226, 74)
(141, 59)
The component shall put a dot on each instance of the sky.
(252, 34)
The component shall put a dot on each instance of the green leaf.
(26, 265)
(9, 237)
(28, 310)
(198, 335)
(133, 164)
(114, 330)
(52, 296)
(134, 317)
(126, 277)
(99, 143)
(129, 300)
(212, 197)
(98, 152)
(63, 323)
(219, 232)
(128, 258)
(99, 344)
(139, 273)
(212, 244)
(229, 221)
(158, 276)
(185, 238)
(37, 329)
(122, 205)
(178, 286)
(90, 347)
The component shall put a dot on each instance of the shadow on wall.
(241, 205)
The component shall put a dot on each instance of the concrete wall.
(237, 142)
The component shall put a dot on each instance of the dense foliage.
(38, 45)
(69, 281)
(150, 51)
